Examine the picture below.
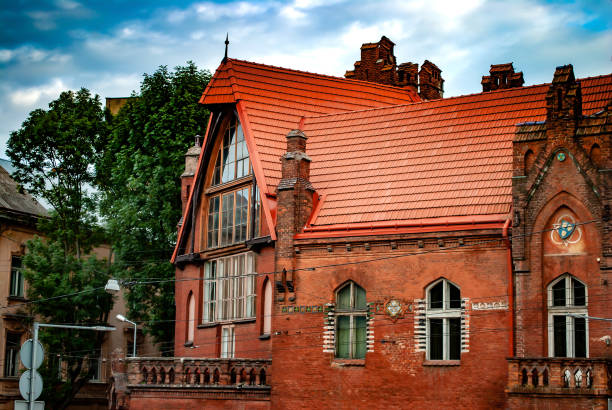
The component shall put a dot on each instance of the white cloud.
(6, 55)
(43, 20)
(292, 13)
(67, 4)
(31, 96)
(211, 12)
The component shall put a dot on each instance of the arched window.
(191, 317)
(267, 308)
(351, 312)
(443, 321)
(232, 160)
(567, 321)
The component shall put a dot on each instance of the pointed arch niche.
(231, 209)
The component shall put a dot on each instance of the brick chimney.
(294, 206)
(431, 84)
(191, 163)
(408, 76)
(502, 76)
(377, 63)
(563, 104)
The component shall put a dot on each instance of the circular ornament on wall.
(561, 156)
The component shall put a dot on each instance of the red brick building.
(364, 243)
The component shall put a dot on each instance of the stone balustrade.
(559, 376)
(198, 372)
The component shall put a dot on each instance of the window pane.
(454, 297)
(454, 343)
(560, 337)
(580, 337)
(242, 212)
(579, 293)
(11, 354)
(435, 296)
(229, 154)
(360, 297)
(227, 219)
(213, 222)
(359, 337)
(342, 336)
(257, 210)
(344, 298)
(558, 293)
(16, 277)
(435, 339)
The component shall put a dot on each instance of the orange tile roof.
(275, 99)
(447, 158)
(378, 156)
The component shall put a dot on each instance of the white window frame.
(233, 283)
(17, 288)
(228, 342)
(445, 313)
(97, 376)
(568, 309)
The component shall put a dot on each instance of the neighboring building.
(364, 245)
(19, 215)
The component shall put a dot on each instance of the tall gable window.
(233, 157)
(233, 201)
(443, 321)
(567, 330)
(351, 313)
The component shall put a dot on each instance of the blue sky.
(50, 46)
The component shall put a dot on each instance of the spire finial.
(226, 44)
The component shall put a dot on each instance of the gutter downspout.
(510, 287)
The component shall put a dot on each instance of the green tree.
(139, 177)
(72, 355)
(54, 153)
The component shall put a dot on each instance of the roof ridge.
(449, 98)
(332, 77)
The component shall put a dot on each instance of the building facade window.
(191, 317)
(232, 160)
(443, 321)
(351, 319)
(267, 308)
(229, 288)
(11, 354)
(233, 210)
(228, 342)
(567, 331)
(16, 289)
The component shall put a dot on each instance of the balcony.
(135, 381)
(531, 380)
(197, 372)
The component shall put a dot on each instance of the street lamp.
(124, 319)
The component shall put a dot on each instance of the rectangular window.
(16, 277)
(97, 369)
(436, 339)
(230, 217)
(11, 354)
(228, 342)
(229, 288)
(579, 337)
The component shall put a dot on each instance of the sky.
(50, 46)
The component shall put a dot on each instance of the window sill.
(442, 363)
(264, 337)
(348, 362)
(227, 322)
(16, 298)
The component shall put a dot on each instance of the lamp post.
(35, 342)
(124, 319)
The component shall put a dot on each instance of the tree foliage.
(139, 177)
(54, 153)
(51, 273)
